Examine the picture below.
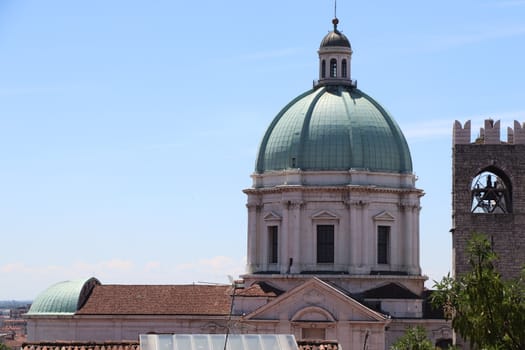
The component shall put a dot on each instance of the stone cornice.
(340, 189)
(338, 277)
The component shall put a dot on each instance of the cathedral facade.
(333, 238)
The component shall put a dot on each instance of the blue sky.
(128, 129)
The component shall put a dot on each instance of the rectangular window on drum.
(383, 244)
(273, 244)
(325, 243)
(333, 68)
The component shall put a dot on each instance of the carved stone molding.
(408, 206)
(254, 206)
(359, 204)
(272, 216)
(293, 204)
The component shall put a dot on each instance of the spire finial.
(335, 21)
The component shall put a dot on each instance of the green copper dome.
(334, 127)
(63, 298)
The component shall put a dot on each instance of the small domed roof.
(334, 127)
(63, 298)
(335, 38)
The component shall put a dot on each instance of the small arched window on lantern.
(491, 192)
(343, 69)
(333, 68)
(323, 69)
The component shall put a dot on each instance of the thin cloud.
(12, 268)
(217, 264)
(114, 264)
(512, 3)
(12, 91)
(438, 43)
(265, 55)
(474, 38)
(163, 146)
(153, 265)
(429, 129)
(21, 268)
(442, 128)
(30, 280)
(78, 268)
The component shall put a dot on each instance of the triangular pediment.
(325, 215)
(272, 216)
(318, 301)
(384, 216)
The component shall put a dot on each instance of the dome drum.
(335, 67)
(354, 215)
(352, 177)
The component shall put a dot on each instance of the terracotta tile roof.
(259, 289)
(15, 342)
(158, 300)
(64, 345)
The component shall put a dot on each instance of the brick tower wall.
(506, 231)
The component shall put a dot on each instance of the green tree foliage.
(415, 338)
(485, 310)
(4, 347)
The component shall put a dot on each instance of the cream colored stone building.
(333, 238)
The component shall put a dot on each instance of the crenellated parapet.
(461, 134)
(489, 134)
(516, 135)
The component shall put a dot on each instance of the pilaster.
(254, 208)
(360, 244)
(294, 231)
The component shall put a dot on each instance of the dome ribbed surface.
(62, 298)
(335, 38)
(334, 128)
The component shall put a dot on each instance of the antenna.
(335, 8)
(228, 324)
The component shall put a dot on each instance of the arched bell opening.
(333, 68)
(491, 192)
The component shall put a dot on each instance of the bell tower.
(488, 193)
